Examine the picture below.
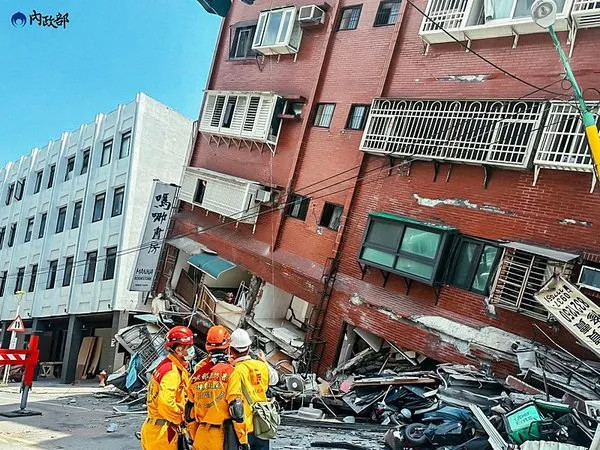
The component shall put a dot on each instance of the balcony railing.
(586, 13)
(499, 133)
(249, 118)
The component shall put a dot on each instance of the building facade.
(413, 170)
(71, 218)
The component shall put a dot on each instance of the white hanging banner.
(155, 231)
(577, 313)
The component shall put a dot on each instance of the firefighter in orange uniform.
(215, 391)
(167, 392)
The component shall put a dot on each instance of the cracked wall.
(460, 203)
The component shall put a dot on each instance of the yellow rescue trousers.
(158, 437)
(209, 437)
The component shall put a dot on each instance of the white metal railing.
(491, 132)
(448, 14)
(563, 144)
(585, 5)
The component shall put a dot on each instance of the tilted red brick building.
(444, 189)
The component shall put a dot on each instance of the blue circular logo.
(18, 20)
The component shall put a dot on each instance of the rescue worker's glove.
(236, 410)
(187, 412)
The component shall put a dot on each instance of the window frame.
(452, 268)
(304, 204)
(234, 40)
(70, 168)
(32, 278)
(121, 191)
(10, 191)
(334, 205)
(20, 279)
(69, 264)
(125, 136)
(2, 236)
(12, 234)
(52, 271)
(89, 272)
(349, 8)
(62, 213)
(77, 209)
(283, 36)
(364, 119)
(108, 144)
(110, 256)
(42, 228)
(436, 263)
(39, 179)
(96, 197)
(51, 175)
(199, 192)
(380, 8)
(29, 229)
(85, 162)
(584, 285)
(320, 115)
(20, 189)
(3, 278)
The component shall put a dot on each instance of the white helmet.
(240, 340)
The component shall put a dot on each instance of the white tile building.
(68, 208)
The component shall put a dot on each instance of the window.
(42, 225)
(404, 246)
(109, 265)
(331, 215)
(125, 145)
(90, 267)
(358, 117)
(297, 206)
(590, 278)
(474, 265)
(33, 278)
(60, 220)
(29, 230)
(76, 215)
(68, 271)
(98, 207)
(199, 192)
(39, 176)
(387, 14)
(51, 176)
(323, 115)
(3, 283)
(117, 205)
(106, 153)
(229, 109)
(11, 234)
(70, 168)
(2, 233)
(349, 18)
(277, 31)
(523, 271)
(9, 193)
(241, 45)
(19, 283)
(85, 162)
(52, 274)
(19, 189)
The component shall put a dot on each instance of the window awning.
(187, 245)
(556, 255)
(438, 226)
(212, 265)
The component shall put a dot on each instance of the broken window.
(241, 45)
(523, 271)
(297, 206)
(331, 216)
(473, 264)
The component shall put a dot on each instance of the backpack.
(265, 416)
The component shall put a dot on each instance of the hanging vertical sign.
(153, 236)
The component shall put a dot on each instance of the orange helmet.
(179, 335)
(217, 338)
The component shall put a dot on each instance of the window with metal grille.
(563, 144)
(448, 14)
(387, 14)
(520, 275)
(349, 18)
(331, 215)
(89, 272)
(474, 264)
(323, 115)
(357, 117)
(500, 133)
(241, 43)
(297, 206)
(106, 153)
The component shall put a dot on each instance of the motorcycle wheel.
(415, 434)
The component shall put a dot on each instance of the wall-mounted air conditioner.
(263, 196)
(311, 15)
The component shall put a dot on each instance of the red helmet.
(217, 338)
(179, 335)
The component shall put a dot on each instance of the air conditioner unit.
(263, 196)
(311, 15)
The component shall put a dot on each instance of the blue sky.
(54, 80)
